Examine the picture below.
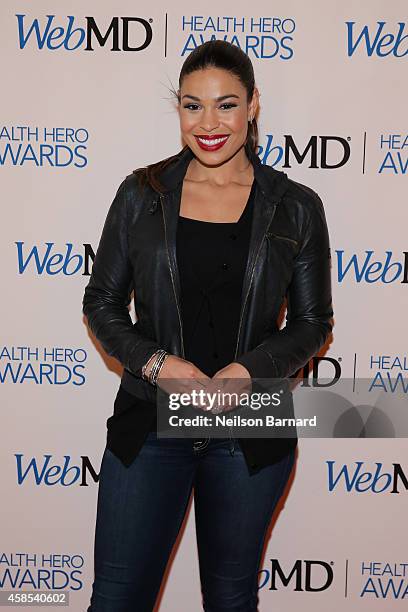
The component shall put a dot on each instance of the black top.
(212, 258)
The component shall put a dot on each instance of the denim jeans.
(140, 510)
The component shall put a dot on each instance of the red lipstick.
(204, 141)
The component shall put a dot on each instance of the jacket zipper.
(172, 279)
(250, 283)
(246, 297)
(239, 327)
(272, 235)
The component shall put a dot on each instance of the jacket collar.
(270, 181)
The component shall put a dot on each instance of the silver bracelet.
(145, 365)
(157, 366)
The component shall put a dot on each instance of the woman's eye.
(225, 105)
(190, 105)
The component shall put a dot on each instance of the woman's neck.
(238, 169)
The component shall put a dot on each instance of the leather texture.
(289, 257)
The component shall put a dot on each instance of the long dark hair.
(217, 54)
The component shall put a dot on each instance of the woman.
(211, 241)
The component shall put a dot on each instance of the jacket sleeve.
(309, 307)
(107, 295)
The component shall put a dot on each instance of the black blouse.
(212, 258)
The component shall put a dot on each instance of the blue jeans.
(140, 510)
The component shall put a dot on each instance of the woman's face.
(214, 114)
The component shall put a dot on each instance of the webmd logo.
(305, 575)
(380, 40)
(372, 268)
(122, 33)
(50, 472)
(362, 479)
(324, 152)
(50, 260)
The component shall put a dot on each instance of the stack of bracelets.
(160, 355)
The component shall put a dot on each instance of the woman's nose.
(209, 121)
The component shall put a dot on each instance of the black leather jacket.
(289, 255)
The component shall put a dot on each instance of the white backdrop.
(74, 123)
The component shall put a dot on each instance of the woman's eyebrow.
(218, 99)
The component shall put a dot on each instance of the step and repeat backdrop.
(85, 99)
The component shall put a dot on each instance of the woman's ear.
(254, 104)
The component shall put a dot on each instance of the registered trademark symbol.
(348, 137)
(150, 20)
(339, 358)
(331, 562)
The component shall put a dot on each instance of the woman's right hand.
(179, 375)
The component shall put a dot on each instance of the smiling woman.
(215, 126)
(211, 240)
(215, 120)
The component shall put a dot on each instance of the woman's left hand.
(233, 370)
(234, 378)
